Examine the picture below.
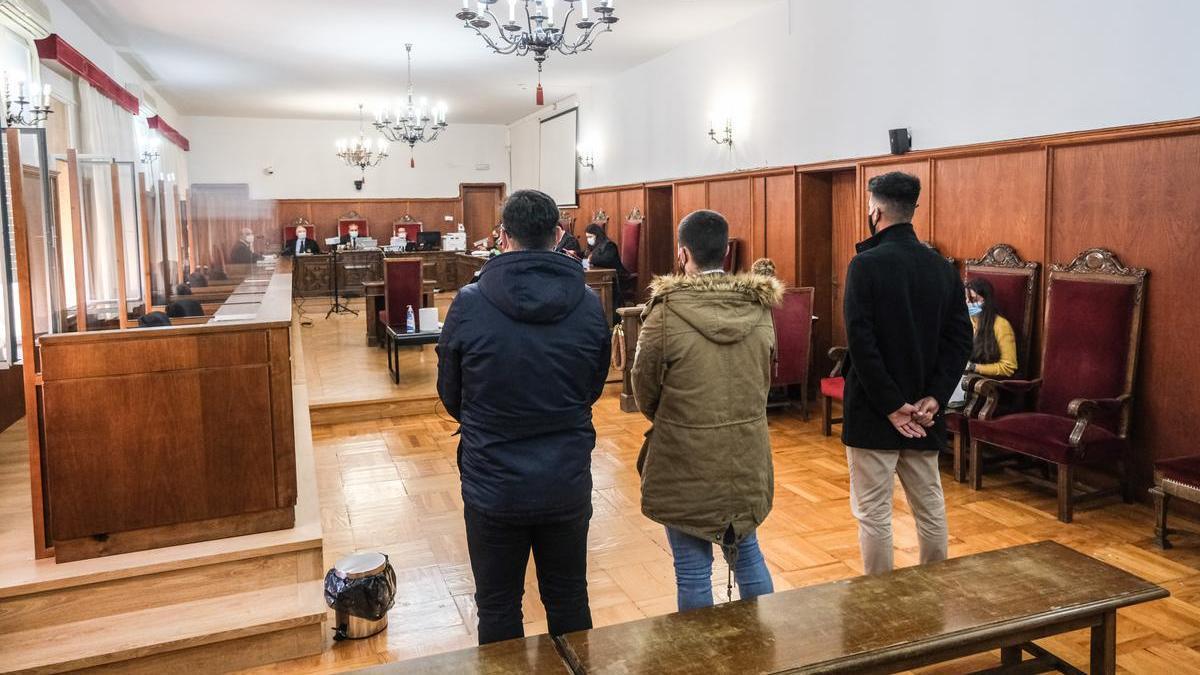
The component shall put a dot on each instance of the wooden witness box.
(164, 436)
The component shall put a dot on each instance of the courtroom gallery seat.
(793, 339)
(1015, 283)
(631, 242)
(1082, 409)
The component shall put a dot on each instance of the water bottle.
(410, 321)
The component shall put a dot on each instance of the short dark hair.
(183, 289)
(897, 193)
(153, 320)
(530, 217)
(706, 235)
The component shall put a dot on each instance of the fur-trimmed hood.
(723, 308)
(766, 291)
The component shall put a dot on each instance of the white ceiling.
(320, 58)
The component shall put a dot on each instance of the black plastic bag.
(369, 597)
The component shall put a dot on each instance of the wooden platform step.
(235, 630)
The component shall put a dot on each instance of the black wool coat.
(909, 337)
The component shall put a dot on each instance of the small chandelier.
(357, 151)
(408, 123)
(539, 32)
(151, 153)
(17, 110)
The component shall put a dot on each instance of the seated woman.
(603, 253)
(994, 353)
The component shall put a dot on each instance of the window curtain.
(105, 134)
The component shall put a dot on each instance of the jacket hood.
(724, 308)
(533, 286)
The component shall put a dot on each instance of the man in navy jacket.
(523, 355)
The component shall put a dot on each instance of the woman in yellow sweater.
(995, 351)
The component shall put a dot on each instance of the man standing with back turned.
(909, 339)
(701, 375)
(523, 355)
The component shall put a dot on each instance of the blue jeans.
(693, 570)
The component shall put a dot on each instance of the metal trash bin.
(360, 588)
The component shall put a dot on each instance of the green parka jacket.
(701, 375)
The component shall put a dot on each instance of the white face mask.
(591, 238)
(302, 236)
(353, 235)
(249, 239)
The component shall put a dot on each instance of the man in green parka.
(701, 375)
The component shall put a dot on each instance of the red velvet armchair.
(1082, 405)
(1015, 282)
(408, 226)
(352, 218)
(793, 341)
(631, 244)
(403, 285)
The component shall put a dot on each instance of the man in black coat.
(300, 244)
(909, 339)
(522, 357)
(243, 251)
(565, 242)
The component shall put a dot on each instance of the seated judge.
(300, 244)
(565, 242)
(243, 251)
(603, 253)
(350, 239)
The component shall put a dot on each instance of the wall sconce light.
(726, 135)
(586, 159)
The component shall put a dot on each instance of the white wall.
(236, 150)
(813, 80)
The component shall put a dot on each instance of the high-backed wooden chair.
(793, 341)
(352, 218)
(411, 228)
(600, 218)
(631, 248)
(1082, 408)
(1015, 283)
(289, 230)
(403, 285)
(732, 252)
(566, 219)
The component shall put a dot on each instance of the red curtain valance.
(54, 48)
(168, 132)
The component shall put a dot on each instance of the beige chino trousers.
(871, 503)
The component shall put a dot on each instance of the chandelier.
(15, 114)
(540, 32)
(408, 123)
(357, 151)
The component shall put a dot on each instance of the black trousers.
(499, 552)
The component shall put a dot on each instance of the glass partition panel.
(45, 251)
(99, 241)
(170, 231)
(130, 215)
(159, 276)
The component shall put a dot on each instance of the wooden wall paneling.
(629, 200)
(660, 232)
(780, 231)
(733, 199)
(689, 197)
(609, 202)
(988, 199)
(432, 214)
(20, 230)
(848, 219)
(583, 214)
(76, 214)
(1138, 198)
(119, 245)
(12, 395)
(918, 168)
(815, 214)
(289, 210)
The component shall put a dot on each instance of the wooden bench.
(914, 617)
(535, 655)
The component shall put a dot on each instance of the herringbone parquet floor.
(392, 486)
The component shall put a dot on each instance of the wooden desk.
(598, 279)
(161, 436)
(914, 617)
(631, 325)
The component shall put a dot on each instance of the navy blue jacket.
(523, 355)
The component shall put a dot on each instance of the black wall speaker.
(901, 141)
